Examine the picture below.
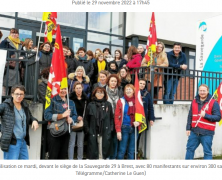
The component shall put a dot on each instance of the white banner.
(3, 54)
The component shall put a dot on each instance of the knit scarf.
(15, 41)
(113, 96)
(131, 110)
(83, 58)
(100, 111)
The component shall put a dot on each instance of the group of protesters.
(101, 97)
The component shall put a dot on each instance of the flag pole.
(205, 108)
(68, 106)
(135, 143)
(38, 42)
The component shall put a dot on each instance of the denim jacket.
(56, 107)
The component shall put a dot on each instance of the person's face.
(63, 92)
(101, 58)
(102, 78)
(96, 53)
(79, 73)
(112, 82)
(99, 94)
(113, 66)
(203, 92)
(123, 73)
(90, 57)
(78, 89)
(117, 54)
(106, 53)
(30, 44)
(82, 53)
(18, 95)
(14, 35)
(142, 85)
(46, 47)
(65, 51)
(126, 57)
(140, 49)
(159, 48)
(176, 49)
(69, 53)
(129, 92)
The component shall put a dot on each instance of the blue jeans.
(170, 90)
(127, 142)
(193, 142)
(115, 147)
(18, 151)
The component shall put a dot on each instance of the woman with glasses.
(16, 118)
(98, 126)
(45, 56)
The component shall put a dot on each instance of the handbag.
(79, 125)
(59, 128)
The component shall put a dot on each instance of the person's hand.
(188, 133)
(151, 123)
(136, 124)
(66, 113)
(119, 136)
(35, 125)
(184, 67)
(80, 118)
(124, 65)
(69, 120)
(202, 114)
(21, 58)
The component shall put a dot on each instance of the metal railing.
(158, 78)
(26, 72)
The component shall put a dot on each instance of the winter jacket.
(86, 63)
(45, 59)
(12, 72)
(97, 85)
(124, 82)
(86, 84)
(42, 91)
(215, 117)
(123, 62)
(57, 107)
(175, 63)
(8, 121)
(111, 71)
(148, 106)
(90, 124)
(135, 62)
(70, 64)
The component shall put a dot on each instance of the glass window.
(113, 48)
(8, 13)
(168, 49)
(23, 34)
(117, 40)
(7, 22)
(98, 37)
(77, 43)
(93, 46)
(191, 63)
(117, 23)
(73, 19)
(99, 21)
(192, 53)
(5, 34)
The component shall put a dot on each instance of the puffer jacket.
(8, 121)
(45, 59)
(86, 63)
(86, 84)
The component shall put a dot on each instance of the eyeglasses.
(17, 95)
(100, 93)
(47, 46)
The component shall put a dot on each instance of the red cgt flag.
(139, 112)
(219, 99)
(57, 76)
(151, 41)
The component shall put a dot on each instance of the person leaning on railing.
(11, 42)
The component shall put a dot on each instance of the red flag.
(219, 99)
(151, 41)
(50, 25)
(57, 77)
(139, 112)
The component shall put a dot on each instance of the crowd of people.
(101, 95)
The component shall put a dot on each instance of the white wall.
(167, 139)
(173, 26)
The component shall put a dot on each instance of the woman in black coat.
(98, 125)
